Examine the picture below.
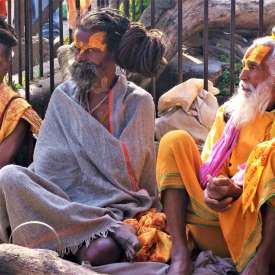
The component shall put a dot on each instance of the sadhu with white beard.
(226, 195)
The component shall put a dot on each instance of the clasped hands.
(220, 192)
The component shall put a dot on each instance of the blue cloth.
(45, 28)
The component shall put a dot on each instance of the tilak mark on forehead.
(83, 40)
(256, 55)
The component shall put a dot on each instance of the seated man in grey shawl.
(94, 162)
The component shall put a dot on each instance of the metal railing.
(26, 27)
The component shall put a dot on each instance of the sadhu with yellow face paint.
(104, 43)
(229, 190)
(94, 161)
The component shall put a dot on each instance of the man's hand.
(220, 192)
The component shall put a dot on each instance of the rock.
(219, 44)
(219, 17)
(192, 67)
(35, 53)
(35, 50)
(18, 260)
(40, 91)
(160, 8)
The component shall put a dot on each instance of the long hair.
(133, 47)
(7, 35)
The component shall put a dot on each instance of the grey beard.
(84, 74)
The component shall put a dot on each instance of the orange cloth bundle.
(156, 244)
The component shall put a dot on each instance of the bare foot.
(257, 266)
(181, 265)
(99, 252)
(127, 239)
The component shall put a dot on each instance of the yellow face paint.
(95, 41)
(255, 55)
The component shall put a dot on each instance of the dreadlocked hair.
(133, 47)
(7, 35)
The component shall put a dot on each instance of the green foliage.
(64, 10)
(224, 57)
(224, 80)
(134, 15)
(16, 86)
(67, 40)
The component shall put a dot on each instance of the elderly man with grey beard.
(226, 196)
(94, 161)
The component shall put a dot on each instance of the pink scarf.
(220, 152)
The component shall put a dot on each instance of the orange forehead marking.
(256, 55)
(96, 41)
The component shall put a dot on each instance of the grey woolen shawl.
(84, 180)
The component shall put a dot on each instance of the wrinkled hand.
(220, 192)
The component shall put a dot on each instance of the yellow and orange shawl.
(19, 108)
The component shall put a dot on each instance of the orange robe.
(18, 109)
(237, 231)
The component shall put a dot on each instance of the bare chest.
(99, 108)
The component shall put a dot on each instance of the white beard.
(244, 107)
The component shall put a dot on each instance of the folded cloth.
(184, 94)
(208, 264)
(156, 244)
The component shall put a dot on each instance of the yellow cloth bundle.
(156, 244)
(184, 94)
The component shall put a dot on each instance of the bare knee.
(177, 137)
(7, 176)
(101, 251)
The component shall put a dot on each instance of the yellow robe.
(236, 231)
(19, 108)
